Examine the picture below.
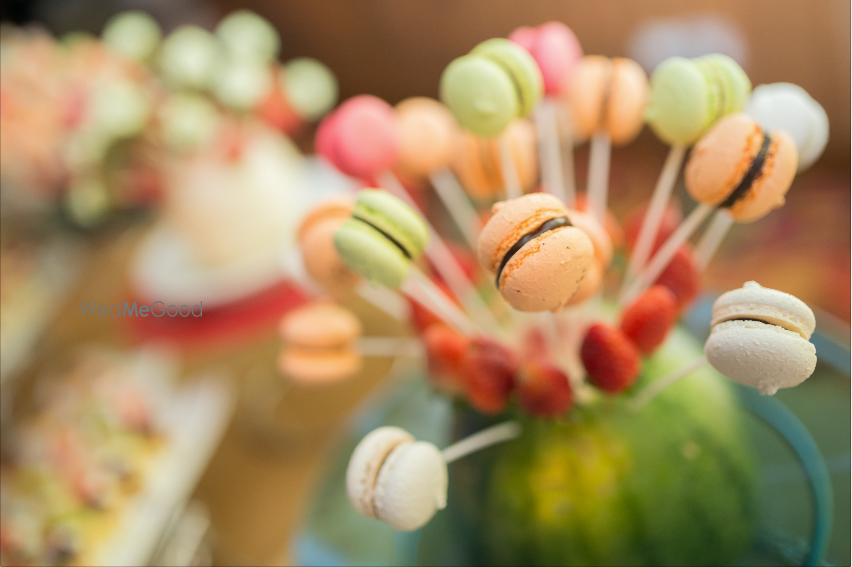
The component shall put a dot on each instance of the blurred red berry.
(682, 277)
(489, 374)
(543, 389)
(671, 219)
(647, 321)
(445, 349)
(611, 360)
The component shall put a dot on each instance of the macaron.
(788, 107)
(310, 87)
(689, 95)
(249, 37)
(495, 83)
(241, 85)
(739, 167)
(609, 95)
(476, 160)
(360, 137)
(381, 238)
(189, 57)
(427, 134)
(556, 50)
(538, 257)
(396, 479)
(316, 243)
(132, 34)
(759, 338)
(320, 343)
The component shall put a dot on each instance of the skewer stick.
(665, 254)
(712, 238)
(507, 167)
(548, 148)
(457, 204)
(390, 346)
(653, 216)
(598, 185)
(444, 261)
(421, 289)
(499, 433)
(654, 388)
(383, 299)
(563, 113)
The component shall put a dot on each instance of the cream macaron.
(539, 258)
(759, 338)
(396, 479)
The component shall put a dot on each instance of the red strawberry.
(611, 360)
(647, 321)
(543, 389)
(489, 374)
(445, 349)
(682, 277)
(671, 219)
(423, 318)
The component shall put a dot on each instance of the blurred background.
(119, 178)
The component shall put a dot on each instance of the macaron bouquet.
(585, 427)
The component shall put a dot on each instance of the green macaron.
(382, 238)
(689, 95)
(495, 83)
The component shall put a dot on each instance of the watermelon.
(672, 484)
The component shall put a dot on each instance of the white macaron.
(759, 338)
(396, 479)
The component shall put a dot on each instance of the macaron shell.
(480, 95)
(394, 217)
(735, 83)
(411, 486)
(364, 136)
(334, 208)
(320, 325)
(322, 261)
(596, 233)
(365, 462)
(720, 160)
(753, 301)
(587, 94)
(590, 285)
(307, 366)
(760, 355)
(524, 36)
(627, 100)
(511, 221)
(367, 252)
(546, 273)
(521, 66)
(679, 110)
(427, 134)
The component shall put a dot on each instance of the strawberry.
(671, 219)
(445, 349)
(543, 389)
(489, 374)
(647, 321)
(682, 277)
(611, 360)
(423, 318)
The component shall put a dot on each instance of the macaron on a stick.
(402, 482)
(486, 89)
(687, 97)
(428, 139)
(759, 337)
(557, 52)
(538, 257)
(381, 240)
(608, 99)
(323, 344)
(736, 167)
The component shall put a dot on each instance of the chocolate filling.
(752, 174)
(746, 319)
(386, 235)
(547, 226)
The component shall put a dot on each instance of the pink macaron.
(556, 50)
(360, 137)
